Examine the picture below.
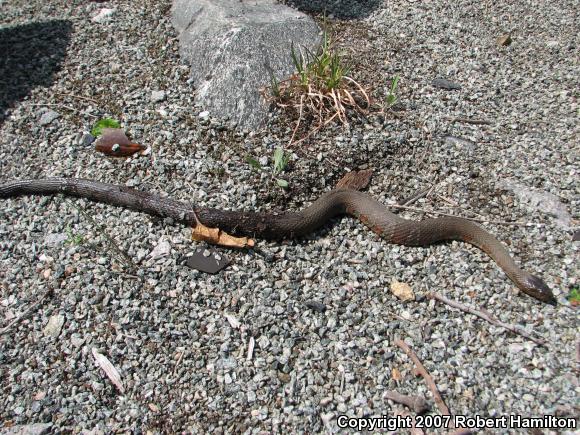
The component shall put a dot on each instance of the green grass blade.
(253, 162)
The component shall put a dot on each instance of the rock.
(28, 429)
(85, 139)
(157, 96)
(48, 116)
(515, 348)
(316, 306)
(460, 142)
(545, 202)
(234, 49)
(213, 262)
(281, 283)
(402, 291)
(103, 15)
(162, 249)
(46, 259)
(504, 40)
(55, 239)
(76, 340)
(54, 325)
(445, 84)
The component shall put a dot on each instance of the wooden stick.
(463, 432)
(122, 255)
(447, 200)
(417, 195)
(417, 403)
(425, 374)
(470, 121)
(79, 97)
(297, 122)
(487, 317)
(27, 311)
(454, 205)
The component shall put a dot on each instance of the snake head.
(538, 289)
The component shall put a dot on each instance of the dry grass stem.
(319, 93)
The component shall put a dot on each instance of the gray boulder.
(234, 48)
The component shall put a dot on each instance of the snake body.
(370, 212)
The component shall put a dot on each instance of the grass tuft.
(321, 90)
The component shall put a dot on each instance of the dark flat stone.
(316, 306)
(445, 84)
(212, 263)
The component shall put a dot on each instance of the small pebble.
(48, 117)
(158, 96)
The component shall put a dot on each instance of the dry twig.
(313, 131)
(425, 374)
(470, 121)
(319, 92)
(417, 196)
(178, 362)
(79, 97)
(487, 317)
(457, 206)
(27, 311)
(122, 255)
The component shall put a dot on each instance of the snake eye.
(540, 290)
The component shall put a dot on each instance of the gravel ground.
(165, 327)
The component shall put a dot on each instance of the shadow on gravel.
(30, 55)
(341, 9)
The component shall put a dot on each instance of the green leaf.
(282, 183)
(278, 160)
(104, 123)
(73, 239)
(253, 162)
(574, 296)
(281, 160)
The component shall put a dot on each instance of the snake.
(288, 224)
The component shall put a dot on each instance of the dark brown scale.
(373, 214)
